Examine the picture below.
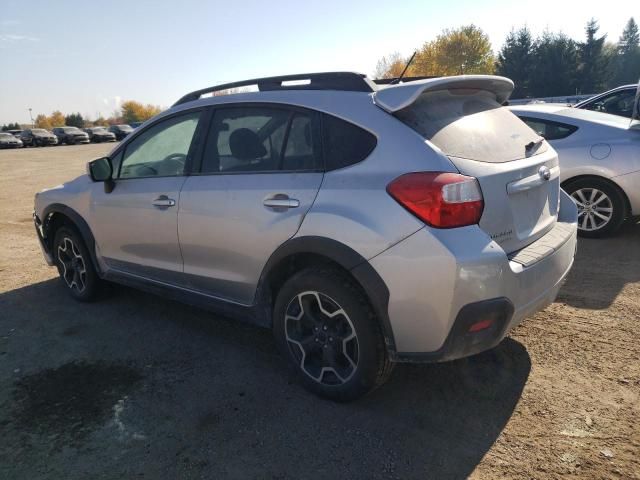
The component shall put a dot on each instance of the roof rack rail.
(387, 81)
(347, 81)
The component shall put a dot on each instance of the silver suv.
(364, 225)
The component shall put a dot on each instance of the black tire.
(336, 291)
(615, 201)
(74, 257)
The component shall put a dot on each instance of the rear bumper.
(442, 281)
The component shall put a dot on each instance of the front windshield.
(71, 130)
(98, 129)
(6, 135)
(125, 128)
(39, 130)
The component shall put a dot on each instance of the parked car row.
(40, 137)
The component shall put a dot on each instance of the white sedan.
(599, 158)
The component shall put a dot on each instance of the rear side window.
(469, 123)
(344, 143)
(549, 130)
(262, 139)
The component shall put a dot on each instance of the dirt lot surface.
(136, 386)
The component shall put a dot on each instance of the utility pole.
(32, 122)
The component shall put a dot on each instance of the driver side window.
(162, 150)
(619, 103)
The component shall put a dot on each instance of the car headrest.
(246, 145)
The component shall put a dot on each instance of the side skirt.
(245, 313)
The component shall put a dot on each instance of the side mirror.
(101, 170)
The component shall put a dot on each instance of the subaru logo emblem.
(544, 173)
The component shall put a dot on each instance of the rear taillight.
(440, 199)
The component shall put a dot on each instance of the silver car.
(9, 141)
(363, 225)
(600, 159)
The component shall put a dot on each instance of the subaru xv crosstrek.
(363, 225)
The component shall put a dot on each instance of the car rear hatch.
(517, 170)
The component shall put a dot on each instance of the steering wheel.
(153, 170)
(175, 157)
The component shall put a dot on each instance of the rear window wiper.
(533, 144)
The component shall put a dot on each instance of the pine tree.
(593, 68)
(628, 58)
(554, 68)
(515, 60)
(74, 120)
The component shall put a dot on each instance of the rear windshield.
(469, 124)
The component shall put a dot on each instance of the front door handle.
(281, 201)
(164, 201)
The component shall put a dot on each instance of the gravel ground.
(139, 386)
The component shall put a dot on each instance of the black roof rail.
(387, 81)
(347, 81)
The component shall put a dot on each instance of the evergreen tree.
(515, 61)
(628, 58)
(592, 69)
(74, 120)
(554, 70)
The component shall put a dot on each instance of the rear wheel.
(601, 207)
(74, 265)
(326, 329)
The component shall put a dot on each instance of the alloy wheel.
(595, 208)
(74, 269)
(322, 338)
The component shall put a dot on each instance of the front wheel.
(74, 265)
(601, 207)
(325, 327)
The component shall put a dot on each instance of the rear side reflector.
(481, 325)
(440, 199)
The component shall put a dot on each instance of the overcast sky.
(89, 56)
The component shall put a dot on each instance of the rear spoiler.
(397, 97)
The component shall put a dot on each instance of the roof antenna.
(397, 80)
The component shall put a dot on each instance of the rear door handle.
(281, 201)
(164, 201)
